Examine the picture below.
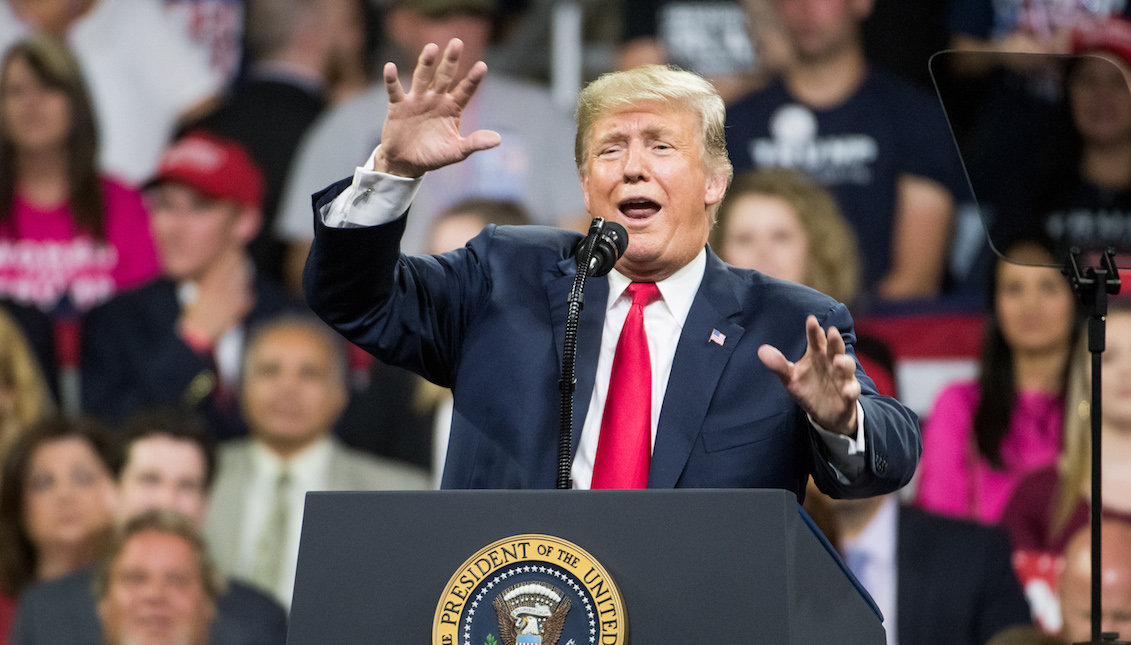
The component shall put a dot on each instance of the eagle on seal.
(524, 628)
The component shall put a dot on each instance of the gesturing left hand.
(823, 382)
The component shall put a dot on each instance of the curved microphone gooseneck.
(596, 255)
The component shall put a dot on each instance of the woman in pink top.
(69, 237)
(982, 437)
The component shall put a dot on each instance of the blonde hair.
(20, 373)
(1074, 465)
(667, 85)
(834, 257)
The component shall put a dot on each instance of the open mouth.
(638, 208)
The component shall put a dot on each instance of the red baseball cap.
(1112, 36)
(216, 167)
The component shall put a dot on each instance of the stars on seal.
(503, 577)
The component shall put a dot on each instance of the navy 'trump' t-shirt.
(858, 150)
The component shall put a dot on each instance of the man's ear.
(716, 186)
(584, 176)
(248, 221)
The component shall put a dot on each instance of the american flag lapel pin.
(718, 337)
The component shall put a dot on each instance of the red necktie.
(624, 449)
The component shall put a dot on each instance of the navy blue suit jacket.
(133, 358)
(955, 584)
(488, 320)
(64, 612)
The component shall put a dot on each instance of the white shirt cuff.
(374, 198)
(846, 454)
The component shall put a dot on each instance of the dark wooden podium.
(694, 566)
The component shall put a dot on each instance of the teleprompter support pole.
(1093, 285)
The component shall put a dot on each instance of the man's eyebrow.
(650, 132)
(657, 131)
(613, 136)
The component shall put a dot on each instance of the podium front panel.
(693, 566)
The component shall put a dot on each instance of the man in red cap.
(178, 339)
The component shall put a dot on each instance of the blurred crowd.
(167, 399)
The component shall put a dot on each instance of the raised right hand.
(224, 296)
(421, 130)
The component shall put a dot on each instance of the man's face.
(292, 392)
(820, 29)
(644, 169)
(1076, 601)
(192, 232)
(155, 595)
(163, 473)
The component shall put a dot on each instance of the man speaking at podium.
(690, 373)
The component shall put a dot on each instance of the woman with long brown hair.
(70, 237)
(983, 436)
(56, 501)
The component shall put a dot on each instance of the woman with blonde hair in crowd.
(1052, 503)
(24, 397)
(71, 237)
(779, 222)
(56, 502)
(983, 436)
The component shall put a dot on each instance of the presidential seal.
(530, 590)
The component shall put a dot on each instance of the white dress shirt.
(663, 323)
(376, 198)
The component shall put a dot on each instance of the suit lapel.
(696, 370)
(228, 501)
(590, 324)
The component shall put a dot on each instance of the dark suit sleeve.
(407, 311)
(246, 616)
(892, 441)
(23, 632)
(1002, 603)
(57, 612)
(956, 581)
(130, 361)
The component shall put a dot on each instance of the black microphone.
(603, 246)
(608, 241)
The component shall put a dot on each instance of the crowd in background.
(166, 398)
